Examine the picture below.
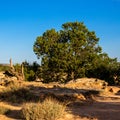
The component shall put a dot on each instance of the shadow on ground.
(99, 110)
(87, 107)
(35, 94)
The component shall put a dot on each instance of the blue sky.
(21, 21)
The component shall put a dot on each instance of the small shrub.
(50, 109)
(4, 110)
(17, 94)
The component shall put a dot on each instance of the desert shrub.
(4, 110)
(18, 94)
(50, 109)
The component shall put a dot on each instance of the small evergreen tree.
(70, 50)
(30, 70)
(71, 53)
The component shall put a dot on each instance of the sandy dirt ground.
(103, 107)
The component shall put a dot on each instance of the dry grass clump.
(4, 110)
(16, 93)
(50, 109)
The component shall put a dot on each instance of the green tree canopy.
(72, 52)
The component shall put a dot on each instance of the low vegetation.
(50, 109)
(15, 93)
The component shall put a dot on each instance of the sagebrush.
(50, 109)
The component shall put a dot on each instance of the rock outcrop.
(87, 83)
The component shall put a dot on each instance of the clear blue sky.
(21, 21)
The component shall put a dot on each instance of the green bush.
(50, 109)
(29, 75)
(30, 70)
